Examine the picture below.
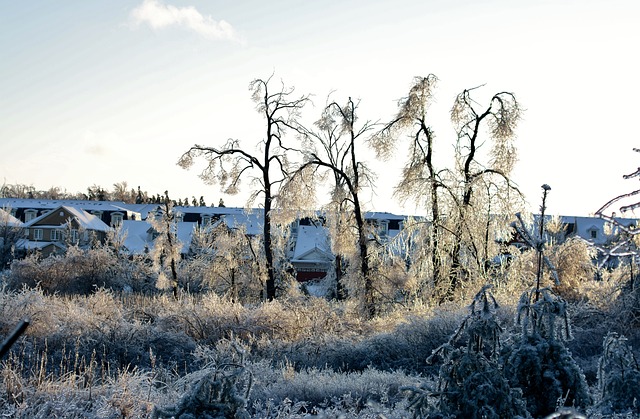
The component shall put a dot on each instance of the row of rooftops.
(141, 211)
(98, 215)
(310, 240)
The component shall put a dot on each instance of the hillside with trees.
(474, 310)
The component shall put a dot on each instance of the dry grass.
(108, 354)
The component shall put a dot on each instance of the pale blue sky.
(96, 92)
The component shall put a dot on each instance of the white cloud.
(160, 16)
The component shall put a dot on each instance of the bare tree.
(333, 147)
(121, 192)
(628, 242)
(498, 121)
(229, 164)
(463, 202)
(421, 181)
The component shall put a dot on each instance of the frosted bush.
(324, 389)
(79, 271)
(618, 376)
(220, 390)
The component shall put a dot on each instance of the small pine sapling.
(538, 361)
(470, 383)
(618, 377)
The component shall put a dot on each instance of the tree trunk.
(369, 302)
(341, 291)
(268, 252)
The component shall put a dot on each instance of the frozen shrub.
(471, 383)
(538, 362)
(618, 376)
(315, 389)
(573, 260)
(213, 393)
(79, 271)
(339, 343)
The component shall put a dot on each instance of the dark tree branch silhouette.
(230, 164)
(333, 147)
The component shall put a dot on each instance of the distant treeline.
(120, 192)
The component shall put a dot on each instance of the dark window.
(571, 227)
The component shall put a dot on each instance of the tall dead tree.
(333, 147)
(460, 199)
(421, 181)
(230, 163)
(498, 120)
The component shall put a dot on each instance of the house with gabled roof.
(50, 231)
(312, 257)
(595, 230)
(111, 213)
(308, 249)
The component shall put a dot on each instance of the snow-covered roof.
(84, 219)
(73, 203)
(142, 210)
(53, 203)
(9, 220)
(312, 245)
(185, 233)
(137, 237)
(373, 215)
(252, 221)
(35, 245)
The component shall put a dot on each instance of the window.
(56, 235)
(206, 220)
(37, 234)
(570, 228)
(593, 234)
(74, 235)
(383, 227)
(116, 219)
(30, 214)
(97, 213)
